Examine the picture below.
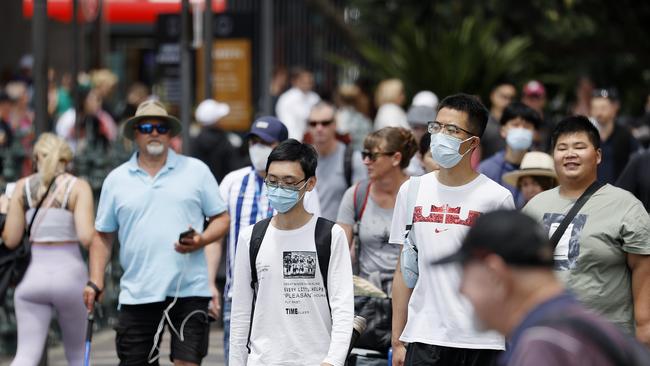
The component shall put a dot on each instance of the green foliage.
(467, 58)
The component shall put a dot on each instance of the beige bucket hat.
(534, 163)
(151, 109)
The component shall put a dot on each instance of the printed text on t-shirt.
(445, 215)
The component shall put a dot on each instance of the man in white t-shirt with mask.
(433, 324)
(244, 192)
(301, 311)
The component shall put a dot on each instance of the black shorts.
(137, 326)
(427, 354)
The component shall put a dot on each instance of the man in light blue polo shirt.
(149, 201)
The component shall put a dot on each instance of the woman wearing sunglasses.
(367, 207)
(57, 274)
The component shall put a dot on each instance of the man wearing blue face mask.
(292, 305)
(434, 318)
(518, 125)
(244, 192)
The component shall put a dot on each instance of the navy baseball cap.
(515, 237)
(269, 129)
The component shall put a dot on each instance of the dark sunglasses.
(322, 123)
(147, 128)
(374, 155)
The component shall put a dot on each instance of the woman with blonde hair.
(366, 209)
(57, 274)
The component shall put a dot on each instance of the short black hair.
(576, 124)
(519, 109)
(294, 150)
(476, 111)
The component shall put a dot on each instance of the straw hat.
(151, 109)
(535, 163)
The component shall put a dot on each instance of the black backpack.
(323, 238)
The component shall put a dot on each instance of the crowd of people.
(501, 235)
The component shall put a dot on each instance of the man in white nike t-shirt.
(433, 323)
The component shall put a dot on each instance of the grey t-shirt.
(377, 258)
(591, 256)
(331, 179)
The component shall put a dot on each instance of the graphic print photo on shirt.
(300, 284)
(568, 247)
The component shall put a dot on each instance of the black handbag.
(378, 313)
(14, 263)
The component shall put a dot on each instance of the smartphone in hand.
(189, 234)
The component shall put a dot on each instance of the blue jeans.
(227, 303)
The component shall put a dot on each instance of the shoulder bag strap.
(38, 206)
(555, 238)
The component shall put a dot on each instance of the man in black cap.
(617, 143)
(508, 277)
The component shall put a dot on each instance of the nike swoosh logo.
(440, 230)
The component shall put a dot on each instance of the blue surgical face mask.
(444, 149)
(519, 139)
(283, 199)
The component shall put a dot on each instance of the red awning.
(116, 11)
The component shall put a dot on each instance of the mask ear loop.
(470, 149)
(161, 326)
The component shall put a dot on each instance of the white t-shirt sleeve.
(241, 302)
(341, 296)
(398, 223)
(508, 203)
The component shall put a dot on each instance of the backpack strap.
(361, 194)
(323, 238)
(259, 230)
(347, 164)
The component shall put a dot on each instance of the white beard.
(155, 148)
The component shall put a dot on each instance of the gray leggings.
(54, 281)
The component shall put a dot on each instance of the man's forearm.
(401, 296)
(99, 255)
(217, 228)
(213, 258)
(640, 267)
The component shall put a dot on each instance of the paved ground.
(103, 350)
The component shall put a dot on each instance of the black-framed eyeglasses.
(374, 155)
(322, 123)
(449, 128)
(292, 186)
(147, 128)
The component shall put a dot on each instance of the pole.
(207, 50)
(39, 46)
(75, 56)
(186, 74)
(266, 67)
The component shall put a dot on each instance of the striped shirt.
(244, 192)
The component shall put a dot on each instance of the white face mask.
(259, 154)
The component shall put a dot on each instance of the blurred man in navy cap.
(617, 143)
(244, 192)
(508, 277)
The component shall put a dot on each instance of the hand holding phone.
(189, 234)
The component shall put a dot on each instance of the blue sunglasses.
(147, 128)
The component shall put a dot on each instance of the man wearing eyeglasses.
(148, 201)
(338, 166)
(245, 194)
(433, 318)
(292, 314)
